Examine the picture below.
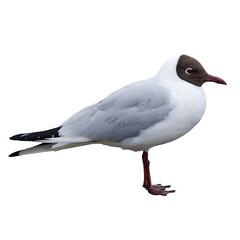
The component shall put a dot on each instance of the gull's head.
(188, 69)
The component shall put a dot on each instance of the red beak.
(211, 78)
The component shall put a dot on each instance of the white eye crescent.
(188, 71)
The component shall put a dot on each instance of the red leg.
(147, 177)
(147, 183)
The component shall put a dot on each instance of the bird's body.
(174, 113)
(137, 117)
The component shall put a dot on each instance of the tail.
(35, 136)
(51, 139)
(43, 147)
(46, 147)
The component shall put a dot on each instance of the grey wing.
(123, 114)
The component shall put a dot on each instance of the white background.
(60, 56)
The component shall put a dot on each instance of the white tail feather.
(46, 147)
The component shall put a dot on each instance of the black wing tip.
(16, 137)
(15, 154)
(35, 136)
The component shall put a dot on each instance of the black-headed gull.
(137, 117)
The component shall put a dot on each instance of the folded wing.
(123, 114)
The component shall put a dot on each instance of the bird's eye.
(188, 71)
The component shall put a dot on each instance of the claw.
(160, 186)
